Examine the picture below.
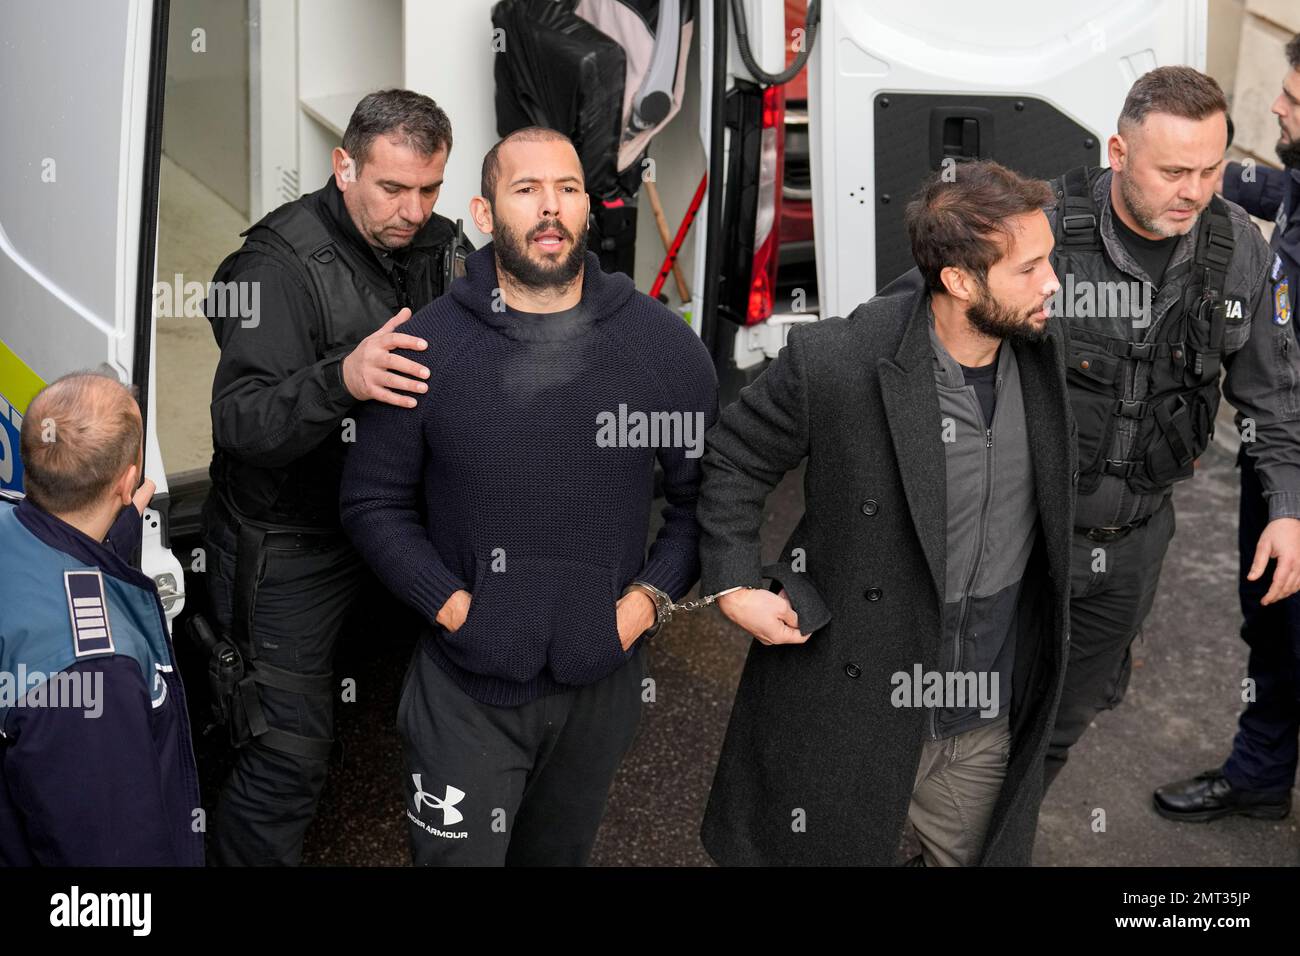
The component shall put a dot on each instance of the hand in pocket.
(453, 613)
(636, 615)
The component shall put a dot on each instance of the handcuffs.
(664, 606)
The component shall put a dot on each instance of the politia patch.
(1282, 301)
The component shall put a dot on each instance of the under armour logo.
(450, 815)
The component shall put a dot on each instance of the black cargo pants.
(1112, 587)
(302, 597)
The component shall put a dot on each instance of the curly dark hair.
(956, 221)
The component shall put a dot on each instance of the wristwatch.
(662, 602)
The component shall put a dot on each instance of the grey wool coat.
(817, 766)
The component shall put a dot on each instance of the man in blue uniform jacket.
(96, 765)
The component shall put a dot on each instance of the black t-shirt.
(542, 326)
(1152, 254)
(985, 378)
(564, 315)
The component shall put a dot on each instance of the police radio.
(454, 255)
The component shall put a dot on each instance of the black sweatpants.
(1112, 587)
(514, 786)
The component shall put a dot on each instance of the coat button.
(872, 594)
(869, 507)
(853, 670)
(1085, 365)
(1074, 477)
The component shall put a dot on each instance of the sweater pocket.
(584, 640)
(506, 632)
(539, 611)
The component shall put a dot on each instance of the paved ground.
(1178, 718)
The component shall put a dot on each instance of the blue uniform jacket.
(96, 762)
(1273, 194)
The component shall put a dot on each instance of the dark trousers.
(1107, 608)
(1265, 749)
(302, 598)
(514, 786)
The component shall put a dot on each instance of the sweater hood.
(603, 293)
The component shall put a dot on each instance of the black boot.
(1209, 795)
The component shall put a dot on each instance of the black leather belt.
(281, 537)
(1110, 534)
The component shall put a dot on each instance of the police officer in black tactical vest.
(333, 274)
(1163, 286)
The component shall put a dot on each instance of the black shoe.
(1209, 795)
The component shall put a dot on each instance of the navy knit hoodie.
(499, 481)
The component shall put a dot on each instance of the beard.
(1288, 151)
(512, 254)
(377, 232)
(990, 317)
(1147, 217)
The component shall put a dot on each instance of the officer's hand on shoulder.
(769, 617)
(453, 613)
(1280, 540)
(372, 371)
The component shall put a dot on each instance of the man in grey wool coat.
(910, 666)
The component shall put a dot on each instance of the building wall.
(1266, 26)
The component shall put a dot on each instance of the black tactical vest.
(348, 308)
(1179, 359)
(347, 304)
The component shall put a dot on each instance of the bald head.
(492, 161)
(80, 435)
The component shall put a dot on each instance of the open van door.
(742, 118)
(897, 89)
(78, 216)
